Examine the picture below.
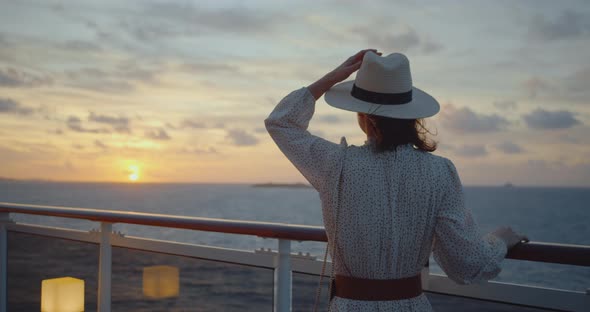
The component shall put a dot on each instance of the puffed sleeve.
(463, 253)
(287, 124)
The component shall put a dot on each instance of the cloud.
(508, 147)
(232, 20)
(470, 150)
(196, 124)
(570, 139)
(148, 31)
(535, 85)
(13, 78)
(100, 144)
(505, 105)
(331, 119)
(572, 87)
(241, 138)
(187, 123)
(121, 79)
(168, 20)
(578, 82)
(56, 131)
(130, 70)
(11, 106)
(201, 151)
(404, 40)
(80, 46)
(119, 124)
(464, 120)
(86, 73)
(75, 124)
(209, 68)
(543, 119)
(74, 119)
(568, 24)
(157, 134)
(105, 86)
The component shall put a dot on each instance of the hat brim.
(422, 105)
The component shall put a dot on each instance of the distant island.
(290, 185)
(508, 184)
(5, 179)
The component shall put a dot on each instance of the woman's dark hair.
(392, 132)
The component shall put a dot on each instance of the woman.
(387, 204)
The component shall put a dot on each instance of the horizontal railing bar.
(551, 253)
(262, 229)
(532, 251)
(54, 232)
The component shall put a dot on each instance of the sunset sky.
(177, 91)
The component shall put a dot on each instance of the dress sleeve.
(287, 124)
(462, 252)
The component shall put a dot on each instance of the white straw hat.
(383, 86)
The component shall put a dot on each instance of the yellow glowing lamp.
(160, 281)
(64, 294)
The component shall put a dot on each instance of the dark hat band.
(381, 98)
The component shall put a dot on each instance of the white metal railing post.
(282, 280)
(4, 218)
(425, 274)
(104, 268)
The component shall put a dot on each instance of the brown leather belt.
(376, 289)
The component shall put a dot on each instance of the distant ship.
(508, 184)
(290, 185)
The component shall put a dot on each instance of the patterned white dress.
(394, 208)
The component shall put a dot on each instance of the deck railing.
(285, 233)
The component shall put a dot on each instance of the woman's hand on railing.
(340, 73)
(510, 237)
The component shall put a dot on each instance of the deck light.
(64, 294)
(160, 281)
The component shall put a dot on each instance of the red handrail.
(532, 251)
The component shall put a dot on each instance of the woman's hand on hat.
(510, 237)
(349, 66)
(340, 73)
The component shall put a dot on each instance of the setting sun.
(133, 173)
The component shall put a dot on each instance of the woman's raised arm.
(287, 124)
(340, 73)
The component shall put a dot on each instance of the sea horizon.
(34, 180)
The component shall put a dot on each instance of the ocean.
(559, 215)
